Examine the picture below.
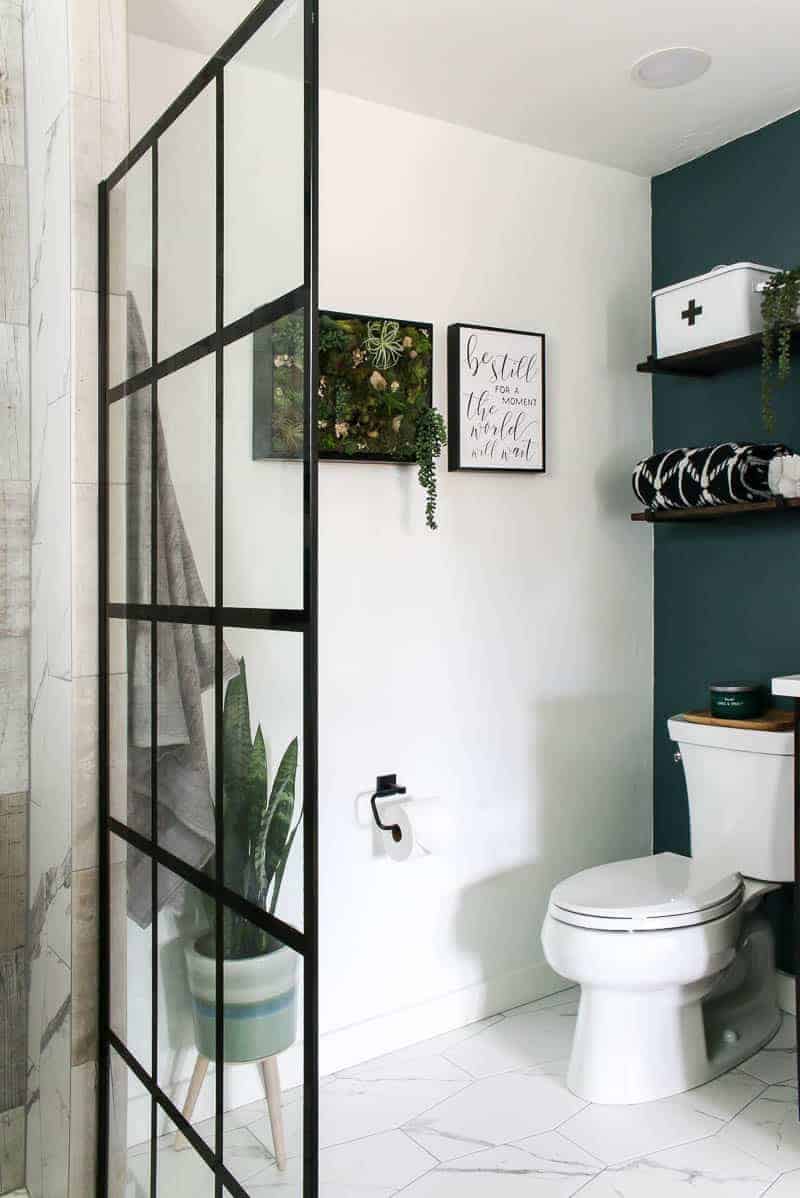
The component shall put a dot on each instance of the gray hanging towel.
(185, 662)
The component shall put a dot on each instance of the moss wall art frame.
(376, 381)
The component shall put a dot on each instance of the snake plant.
(258, 822)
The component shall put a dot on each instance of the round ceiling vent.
(671, 68)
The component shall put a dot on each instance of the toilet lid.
(645, 894)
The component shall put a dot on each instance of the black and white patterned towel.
(713, 474)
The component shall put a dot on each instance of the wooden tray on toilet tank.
(773, 720)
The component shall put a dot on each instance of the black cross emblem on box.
(692, 312)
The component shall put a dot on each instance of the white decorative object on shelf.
(719, 306)
(788, 686)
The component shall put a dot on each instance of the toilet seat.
(646, 894)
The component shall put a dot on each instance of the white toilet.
(675, 966)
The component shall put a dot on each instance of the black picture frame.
(455, 401)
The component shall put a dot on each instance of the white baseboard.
(786, 993)
(348, 1046)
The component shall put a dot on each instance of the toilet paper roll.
(424, 826)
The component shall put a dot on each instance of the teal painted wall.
(727, 594)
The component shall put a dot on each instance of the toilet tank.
(741, 798)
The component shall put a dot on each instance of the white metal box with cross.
(719, 306)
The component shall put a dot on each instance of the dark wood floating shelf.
(721, 512)
(712, 359)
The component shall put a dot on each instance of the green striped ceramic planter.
(260, 1017)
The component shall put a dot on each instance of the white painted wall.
(503, 664)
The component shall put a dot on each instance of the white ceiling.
(549, 73)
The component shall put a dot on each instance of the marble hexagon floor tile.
(768, 1129)
(184, 1172)
(777, 1062)
(350, 1109)
(518, 1042)
(704, 1169)
(622, 1133)
(375, 1167)
(481, 1113)
(255, 1117)
(408, 1066)
(787, 1186)
(386, 1162)
(559, 1156)
(723, 1097)
(271, 1181)
(506, 1172)
(493, 1111)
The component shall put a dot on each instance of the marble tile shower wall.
(15, 504)
(76, 111)
(14, 593)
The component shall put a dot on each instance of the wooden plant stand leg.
(272, 1084)
(195, 1086)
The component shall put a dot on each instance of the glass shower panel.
(129, 720)
(129, 481)
(130, 957)
(186, 227)
(130, 270)
(185, 766)
(180, 1168)
(262, 1141)
(185, 470)
(264, 164)
(208, 542)
(262, 767)
(187, 995)
(129, 1133)
(264, 428)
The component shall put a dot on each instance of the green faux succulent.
(258, 823)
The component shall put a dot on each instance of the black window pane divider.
(310, 596)
(154, 667)
(226, 335)
(219, 759)
(269, 619)
(157, 615)
(213, 887)
(103, 755)
(162, 1100)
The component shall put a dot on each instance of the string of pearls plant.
(781, 298)
(431, 438)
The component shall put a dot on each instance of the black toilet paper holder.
(385, 787)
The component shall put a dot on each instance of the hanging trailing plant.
(431, 437)
(779, 305)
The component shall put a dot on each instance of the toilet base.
(639, 1045)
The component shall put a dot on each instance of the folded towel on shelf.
(707, 476)
(784, 475)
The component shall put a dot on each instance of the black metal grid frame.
(302, 622)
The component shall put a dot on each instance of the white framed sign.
(496, 399)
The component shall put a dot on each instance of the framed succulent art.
(375, 383)
(374, 402)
